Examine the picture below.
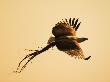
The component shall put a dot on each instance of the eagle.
(64, 38)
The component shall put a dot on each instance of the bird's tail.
(29, 57)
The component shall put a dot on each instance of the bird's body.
(64, 39)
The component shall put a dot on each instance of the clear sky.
(27, 24)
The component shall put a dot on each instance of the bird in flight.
(64, 39)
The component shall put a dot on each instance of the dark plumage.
(64, 39)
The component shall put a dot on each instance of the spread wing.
(64, 33)
(69, 46)
(64, 43)
(76, 53)
(66, 28)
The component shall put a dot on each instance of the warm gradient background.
(27, 24)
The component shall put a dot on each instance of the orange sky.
(27, 24)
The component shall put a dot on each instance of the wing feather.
(69, 46)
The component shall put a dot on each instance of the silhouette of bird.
(64, 39)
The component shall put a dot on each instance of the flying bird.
(64, 39)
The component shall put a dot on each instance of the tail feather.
(29, 57)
